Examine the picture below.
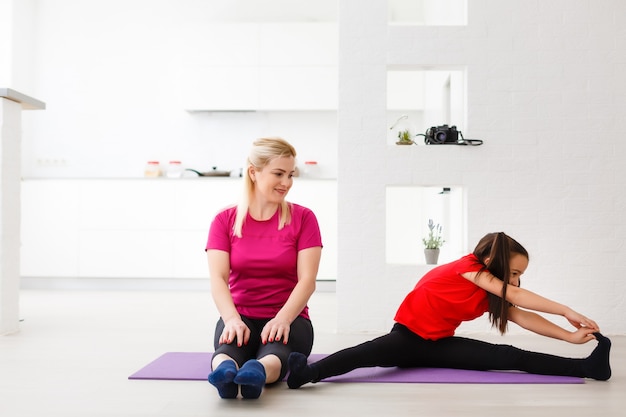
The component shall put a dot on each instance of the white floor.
(76, 350)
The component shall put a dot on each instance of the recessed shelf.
(408, 210)
(419, 98)
(427, 12)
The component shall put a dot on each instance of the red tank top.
(443, 299)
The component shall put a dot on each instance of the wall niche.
(408, 211)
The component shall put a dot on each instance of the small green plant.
(434, 240)
(405, 136)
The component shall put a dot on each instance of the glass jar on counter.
(174, 169)
(152, 169)
(311, 169)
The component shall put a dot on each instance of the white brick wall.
(546, 92)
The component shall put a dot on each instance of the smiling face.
(274, 180)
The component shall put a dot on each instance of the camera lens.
(440, 136)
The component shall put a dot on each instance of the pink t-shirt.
(263, 261)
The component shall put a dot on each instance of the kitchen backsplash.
(200, 140)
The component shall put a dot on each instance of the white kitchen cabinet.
(298, 44)
(298, 88)
(221, 88)
(141, 228)
(266, 66)
(49, 229)
(223, 44)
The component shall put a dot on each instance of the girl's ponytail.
(494, 252)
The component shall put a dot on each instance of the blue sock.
(222, 378)
(251, 377)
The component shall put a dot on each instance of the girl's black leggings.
(403, 348)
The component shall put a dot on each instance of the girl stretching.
(485, 281)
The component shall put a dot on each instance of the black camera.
(441, 134)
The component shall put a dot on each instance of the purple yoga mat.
(197, 365)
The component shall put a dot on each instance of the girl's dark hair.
(494, 252)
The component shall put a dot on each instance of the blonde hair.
(263, 151)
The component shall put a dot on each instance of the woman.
(485, 281)
(263, 260)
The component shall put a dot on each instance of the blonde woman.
(263, 259)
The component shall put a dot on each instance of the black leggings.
(403, 348)
(300, 340)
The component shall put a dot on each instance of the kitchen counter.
(183, 179)
(27, 102)
(142, 228)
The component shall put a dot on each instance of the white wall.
(6, 38)
(112, 73)
(545, 91)
(17, 45)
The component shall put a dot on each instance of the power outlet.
(53, 162)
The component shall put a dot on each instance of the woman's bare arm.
(234, 327)
(308, 265)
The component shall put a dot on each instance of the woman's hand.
(235, 329)
(276, 330)
(579, 321)
(581, 335)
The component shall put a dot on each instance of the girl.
(485, 281)
(263, 260)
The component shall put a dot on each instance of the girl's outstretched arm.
(538, 324)
(529, 300)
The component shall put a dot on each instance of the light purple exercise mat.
(195, 366)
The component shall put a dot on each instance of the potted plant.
(405, 137)
(433, 242)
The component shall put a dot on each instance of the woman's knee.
(301, 336)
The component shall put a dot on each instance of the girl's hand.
(235, 329)
(276, 330)
(578, 320)
(581, 335)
